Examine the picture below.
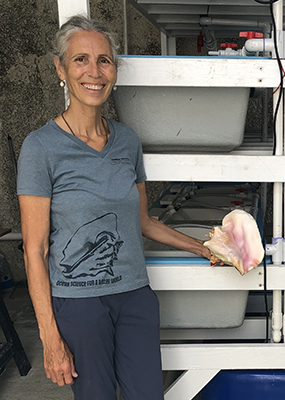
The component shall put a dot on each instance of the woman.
(83, 208)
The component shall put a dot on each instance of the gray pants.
(113, 338)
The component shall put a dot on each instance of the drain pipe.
(209, 39)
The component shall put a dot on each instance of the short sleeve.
(33, 170)
(140, 170)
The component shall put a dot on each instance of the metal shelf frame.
(181, 18)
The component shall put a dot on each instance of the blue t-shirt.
(95, 233)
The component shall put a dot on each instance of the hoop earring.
(62, 84)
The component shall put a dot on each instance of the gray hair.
(77, 23)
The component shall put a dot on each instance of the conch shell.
(237, 242)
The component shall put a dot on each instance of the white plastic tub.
(202, 309)
(199, 308)
(184, 119)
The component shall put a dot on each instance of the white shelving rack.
(201, 362)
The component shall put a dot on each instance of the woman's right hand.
(35, 219)
(58, 361)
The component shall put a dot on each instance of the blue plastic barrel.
(246, 385)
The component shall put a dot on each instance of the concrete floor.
(35, 385)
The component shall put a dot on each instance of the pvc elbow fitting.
(253, 46)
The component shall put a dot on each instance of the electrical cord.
(281, 77)
(274, 152)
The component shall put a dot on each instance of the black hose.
(281, 77)
(270, 3)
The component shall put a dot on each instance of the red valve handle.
(251, 35)
(241, 190)
(229, 45)
(237, 203)
(200, 42)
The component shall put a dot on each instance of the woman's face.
(89, 69)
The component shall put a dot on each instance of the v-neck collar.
(85, 146)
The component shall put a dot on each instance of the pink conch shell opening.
(237, 242)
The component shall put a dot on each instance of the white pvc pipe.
(277, 257)
(258, 45)
(270, 249)
(277, 316)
